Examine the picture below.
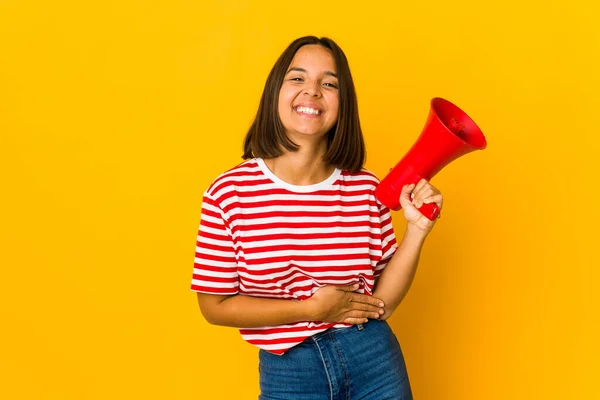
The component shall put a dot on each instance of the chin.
(311, 134)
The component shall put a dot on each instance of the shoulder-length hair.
(345, 144)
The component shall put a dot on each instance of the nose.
(312, 89)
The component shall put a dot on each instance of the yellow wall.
(116, 115)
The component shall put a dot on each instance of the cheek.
(285, 101)
(334, 108)
(284, 110)
(286, 94)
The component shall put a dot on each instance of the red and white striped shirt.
(261, 236)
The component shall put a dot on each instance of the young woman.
(295, 250)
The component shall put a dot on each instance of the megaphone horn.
(448, 134)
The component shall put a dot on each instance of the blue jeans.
(362, 362)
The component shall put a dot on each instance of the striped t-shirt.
(261, 236)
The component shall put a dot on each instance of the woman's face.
(308, 98)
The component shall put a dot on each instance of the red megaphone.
(448, 134)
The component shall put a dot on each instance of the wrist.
(414, 234)
(307, 310)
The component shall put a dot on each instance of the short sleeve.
(388, 239)
(215, 267)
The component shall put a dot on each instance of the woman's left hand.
(421, 193)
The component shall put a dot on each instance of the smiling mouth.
(308, 111)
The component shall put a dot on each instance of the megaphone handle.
(431, 211)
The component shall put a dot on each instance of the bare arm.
(328, 304)
(397, 276)
(248, 312)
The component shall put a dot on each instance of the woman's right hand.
(340, 304)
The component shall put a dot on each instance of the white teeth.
(308, 110)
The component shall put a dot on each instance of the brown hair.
(345, 144)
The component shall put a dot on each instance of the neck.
(303, 167)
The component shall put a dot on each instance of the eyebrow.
(303, 70)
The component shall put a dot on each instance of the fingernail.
(381, 311)
(380, 304)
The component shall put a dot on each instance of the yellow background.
(116, 115)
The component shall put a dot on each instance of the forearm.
(397, 277)
(242, 311)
